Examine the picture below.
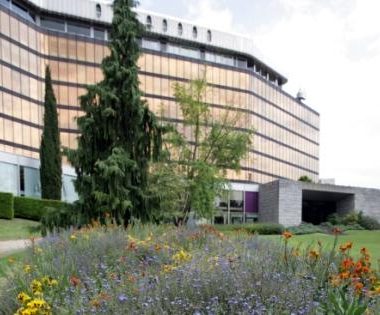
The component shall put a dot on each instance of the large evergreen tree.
(50, 154)
(119, 134)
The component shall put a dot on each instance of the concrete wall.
(269, 202)
(281, 201)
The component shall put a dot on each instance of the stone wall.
(281, 201)
(268, 202)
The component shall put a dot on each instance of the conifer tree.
(50, 154)
(119, 134)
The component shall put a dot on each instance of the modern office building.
(71, 36)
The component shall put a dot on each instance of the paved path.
(11, 246)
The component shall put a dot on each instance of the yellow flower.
(36, 286)
(314, 254)
(38, 250)
(168, 268)
(73, 237)
(181, 256)
(23, 297)
(27, 268)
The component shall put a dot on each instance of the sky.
(328, 48)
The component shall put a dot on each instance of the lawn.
(17, 229)
(368, 239)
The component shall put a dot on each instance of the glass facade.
(285, 144)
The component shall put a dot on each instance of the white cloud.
(315, 44)
(211, 13)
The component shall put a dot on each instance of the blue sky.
(330, 49)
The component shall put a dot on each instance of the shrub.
(368, 222)
(34, 209)
(60, 219)
(260, 228)
(305, 228)
(6, 206)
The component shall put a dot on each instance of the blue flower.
(122, 298)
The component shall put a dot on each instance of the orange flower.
(74, 281)
(314, 254)
(347, 263)
(336, 231)
(345, 246)
(344, 275)
(358, 287)
(132, 245)
(364, 251)
(286, 235)
(358, 267)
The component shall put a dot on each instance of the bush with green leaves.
(305, 228)
(256, 228)
(6, 206)
(33, 208)
(368, 222)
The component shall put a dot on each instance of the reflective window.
(53, 24)
(78, 29)
(99, 34)
(150, 44)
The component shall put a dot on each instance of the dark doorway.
(316, 212)
(318, 205)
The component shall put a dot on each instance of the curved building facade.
(71, 36)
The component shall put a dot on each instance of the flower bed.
(167, 270)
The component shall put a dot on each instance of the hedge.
(34, 209)
(259, 228)
(6, 206)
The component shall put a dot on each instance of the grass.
(17, 229)
(368, 239)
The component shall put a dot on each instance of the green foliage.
(119, 134)
(60, 219)
(354, 220)
(305, 179)
(34, 209)
(6, 206)
(166, 190)
(368, 222)
(340, 303)
(208, 148)
(50, 152)
(305, 228)
(259, 228)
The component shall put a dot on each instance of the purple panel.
(251, 202)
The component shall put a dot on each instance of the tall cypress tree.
(50, 154)
(119, 134)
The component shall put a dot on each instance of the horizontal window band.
(18, 146)
(175, 120)
(67, 107)
(76, 85)
(168, 77)
(169, 98)
(173, 56)
(278, 160)
(283, 161)
(76, 131)
(34, 125)
(80, 85)
(253, 170)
